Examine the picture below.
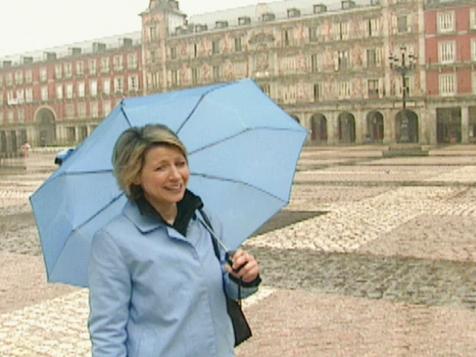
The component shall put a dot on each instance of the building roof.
(278, 8)
(110, 42)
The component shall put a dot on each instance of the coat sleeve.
(109, 297)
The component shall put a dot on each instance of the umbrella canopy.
(243, 151)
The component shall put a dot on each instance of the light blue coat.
(154, 292)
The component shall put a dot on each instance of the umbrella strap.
(208, 226)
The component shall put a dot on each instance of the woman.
(156, 285)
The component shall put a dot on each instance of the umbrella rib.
(218, 178)
(238, 134)
(198, 103)
(125, 113)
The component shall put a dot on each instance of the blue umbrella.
(243, 151)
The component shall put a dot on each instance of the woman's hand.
(245, 266)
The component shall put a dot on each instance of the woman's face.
(164, 176)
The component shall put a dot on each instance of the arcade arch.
(406, 126)
(346, 128)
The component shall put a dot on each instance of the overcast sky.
(29, 25)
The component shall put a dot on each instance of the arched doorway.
(319, 129)
(46, 127)
(406, 127)
(374, 127)
(346, 122)
(3, 142)
(14, 141)
(448, 125)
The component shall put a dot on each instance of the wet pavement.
(373, 256)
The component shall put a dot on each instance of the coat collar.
(146, 218)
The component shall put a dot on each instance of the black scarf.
(185, 211)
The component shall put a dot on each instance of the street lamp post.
(403, 64)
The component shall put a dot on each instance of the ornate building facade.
(352, 72)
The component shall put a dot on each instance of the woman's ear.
(137, 180)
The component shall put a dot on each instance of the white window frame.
(447, 52)
(447, 84)
(92, 66)
(69, 90)
(445, 21)
(472, 18)
(473, 81)
(59, 91)
(29, 95)
(81, 89)
(119, 85)
(344, 89)
(132, 60)
(80, 68)
(43, 74)
(44, 93)
(68, 70)
(133, 83)
(106, 86)
(93, 88)
(473, 49)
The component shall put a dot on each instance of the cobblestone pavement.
(373, 257)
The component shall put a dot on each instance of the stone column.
(360, 127)
(464, 125)
(388, 127)
(332, 131)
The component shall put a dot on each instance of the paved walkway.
(373, 257)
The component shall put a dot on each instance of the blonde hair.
(130, 149)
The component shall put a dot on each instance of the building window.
(93, 88)
(342, 60)
(132, 61)
(117, 63)
(313, 33)
(402, 24)
(133, 83)
(58, 71)
(373, 27)
(28, 95)
(343, 30)
(105, 64)
(81, 89)
(472, 19)
(314, 63)
(118, 85)
(286, 37)
(317, 91)
(106, 86)
(173, 52)
(447, 84)
(446, 52)
(69, 90)
(106, 107)
(82, 110)
(343, 89)
(473, 81)
(80, 68)
(373, 57)
(92, 66)
(19, 77)
(59, 91)
(194, 75)
(43, 74)
(372, 88)
(94, 109)
(9, 79)
(195, 50)
(21, 115)
(216, 73)
(266, 88)
(28, 76)
(473, 49)
(44, 93)
(152, 33)
(174, 77)
(238, 45)
(446, 21)
(20, 96)
(68, 70)
(215, 47)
